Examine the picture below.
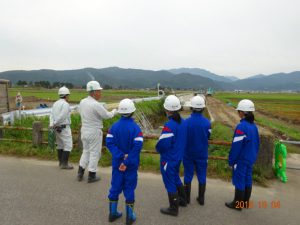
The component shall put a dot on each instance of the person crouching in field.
(196, 151)
(125, 141)
(60, 120)
(243, 154)
(170, 146)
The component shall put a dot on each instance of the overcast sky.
(227, 37)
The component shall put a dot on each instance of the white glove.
(114, 111)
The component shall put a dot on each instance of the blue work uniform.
(171, 146)
(124, 137)
(243, 154)
(196, 151)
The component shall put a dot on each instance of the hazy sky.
(227, 37)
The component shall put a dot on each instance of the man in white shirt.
(92, 113)
(60, 120)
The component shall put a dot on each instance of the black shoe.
(80, 173)
(182, 196)
(174, 205)
(238, 198)
(59, 156)
(92, 177)
(201, 192)
(187, 189)
(64, 163)
(247, 196)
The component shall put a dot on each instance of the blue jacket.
(245, 144)
(172, 141)
(198, 133)
(125, 137)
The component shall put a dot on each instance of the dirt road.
(221, 112)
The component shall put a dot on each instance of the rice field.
(284, 106)
(78, 94)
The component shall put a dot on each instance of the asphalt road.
(36, 192)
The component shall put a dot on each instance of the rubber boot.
(238, 198)
(187, 189)
(92, 177)
(80, 173)
(64, 163)
(174, 204)
(201, 192)
(130, 214)
(248, 191)
(113, 211)
(59, 156)
(182, 196)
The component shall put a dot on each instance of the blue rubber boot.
(130, 215)
(113, 211)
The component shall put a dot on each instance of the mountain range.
(182, 78)
(204, 73)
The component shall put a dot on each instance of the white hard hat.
(93, 86)
(126, 106)
(172, 103)
(246, 105)
(63, 91)
(197, 102)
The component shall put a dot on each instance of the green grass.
(150, 162)
(259, 96)
(280, 127)
(219, 168)
(78, 94)
(220, 132)
(149, 144)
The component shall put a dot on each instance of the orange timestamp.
(261, 204)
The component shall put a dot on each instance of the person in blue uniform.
(196, 151)
(125, 141)
(171, 146)
(243, 154)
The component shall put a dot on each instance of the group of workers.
(181, 140)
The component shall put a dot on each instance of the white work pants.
(64, 139)
(92, 145)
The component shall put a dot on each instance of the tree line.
(44, 84)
